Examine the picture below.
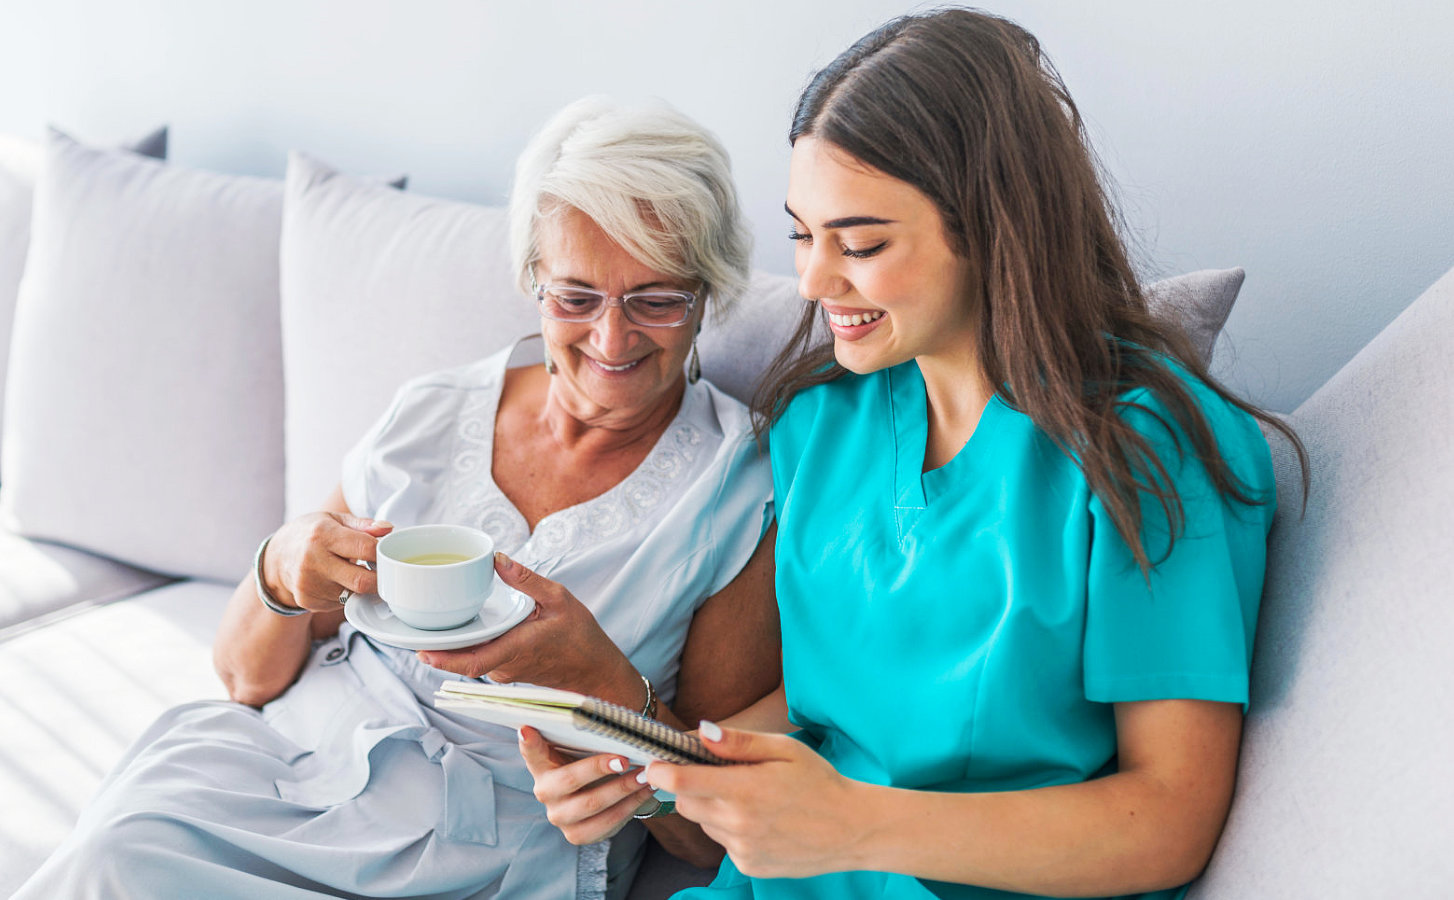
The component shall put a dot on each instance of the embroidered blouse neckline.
(476, 498)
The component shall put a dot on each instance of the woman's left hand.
(560, 644)
(785, 812)
(588, 799)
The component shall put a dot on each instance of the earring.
(549, 361)
(694, 367)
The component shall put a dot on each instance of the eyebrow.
(649, 286)
(846, 221)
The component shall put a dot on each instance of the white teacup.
(435, 576)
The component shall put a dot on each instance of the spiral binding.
(631, 727)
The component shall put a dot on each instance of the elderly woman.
(630, 501)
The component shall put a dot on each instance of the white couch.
(195, 352)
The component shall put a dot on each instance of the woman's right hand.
(588, 799)
(310, 561)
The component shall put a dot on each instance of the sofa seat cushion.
(78, 692)
(40, 580)
(1344, 787)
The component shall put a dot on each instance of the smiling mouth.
(624, 367)
(849, 321)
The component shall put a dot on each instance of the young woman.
(1021, 531)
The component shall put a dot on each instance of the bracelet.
(649, 710)
(263, 593)
(662, 808)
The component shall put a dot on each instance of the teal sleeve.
(1187, 631)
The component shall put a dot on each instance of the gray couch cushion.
(1345, 785)
(78, 692)
(39, 580)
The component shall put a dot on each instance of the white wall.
(1308, 142)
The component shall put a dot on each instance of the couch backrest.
(1346, 785)
(196, 352)
(379, 286)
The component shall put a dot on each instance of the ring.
(344, 595)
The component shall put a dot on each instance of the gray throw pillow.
(1198, 301)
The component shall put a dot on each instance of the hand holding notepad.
(575, 721)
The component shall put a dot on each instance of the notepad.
(575, 721)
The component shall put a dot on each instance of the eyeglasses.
(652, 309)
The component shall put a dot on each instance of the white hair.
(656, 182)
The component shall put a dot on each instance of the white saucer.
(504, 610)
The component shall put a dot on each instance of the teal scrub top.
(969, 627)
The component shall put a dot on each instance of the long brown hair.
(965, 107)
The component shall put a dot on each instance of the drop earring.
(549, 361)
(694, 367)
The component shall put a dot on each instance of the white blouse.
(643, 556)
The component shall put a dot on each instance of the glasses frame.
(607, 301)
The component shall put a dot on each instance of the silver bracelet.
(263, 593)
(649, 710)
(662, 808)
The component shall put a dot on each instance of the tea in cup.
(435, 577)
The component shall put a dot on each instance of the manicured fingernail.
(503, 562)
(616, 765)
(380, 523)
(641, 777)
(710, 731)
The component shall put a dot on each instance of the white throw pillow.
(144, 417)
(20, 163)
(377, 287)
